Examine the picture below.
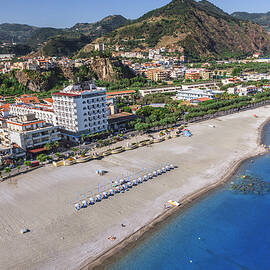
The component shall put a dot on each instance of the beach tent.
(111, 192)
(117, 189)
(91, 201)
(98, 198)
(145, 178)
(77, 206)
(84, 203)
(187, 133)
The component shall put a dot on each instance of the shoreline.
(130, 241)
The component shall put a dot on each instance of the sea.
(224, 230)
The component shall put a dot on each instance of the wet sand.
(60, 238)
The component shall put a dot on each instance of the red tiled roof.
(27, 99)
(37, 150)
(48, 100)
(65, 94)
(24, 125)
(202, 99)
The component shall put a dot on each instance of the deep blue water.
(223, 231)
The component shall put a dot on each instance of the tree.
(82, 138)
(7, 170)
(75, 149)
(18, 168)
(27, 163)
(48, 146)
(1, 175)
(42, 158)
(56, 144)
(236, 71)
(126, 109)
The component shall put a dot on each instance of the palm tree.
(7, 170)
(27, 163)
(47, 146)
(56, 144)
(82, 138)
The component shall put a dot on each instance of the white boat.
(168, 168)
(174, 203)
(150, 175)
(159, 172)
(164, 170)
(105, 195)
(140, 180)
(172, 166)
(155, 173)
(129, 184)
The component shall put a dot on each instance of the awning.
(38, 150)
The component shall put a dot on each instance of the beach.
(61, 238)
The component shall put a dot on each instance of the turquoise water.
(224, 231)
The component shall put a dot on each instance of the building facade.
(195, 94)
(28, 132)
(81, 109)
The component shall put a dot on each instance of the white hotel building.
(44, 113)
(80, 109)
(196, 93)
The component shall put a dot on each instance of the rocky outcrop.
(36, 81)
(109, 70)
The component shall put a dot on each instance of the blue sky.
(65, 13)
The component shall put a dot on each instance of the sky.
(66, 13)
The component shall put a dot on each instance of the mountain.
(262, 19)
(198, 29)
(66, 44)
(100, 28)
(58, 42)
(18, 33)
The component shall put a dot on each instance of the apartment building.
(243, 91)
(208, 85)
(41, 112)
(124, 93)
(144, 92)
(80, 109)
(157, 74)
(28, 132)
(196, 93)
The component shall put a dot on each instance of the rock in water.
(250, 185)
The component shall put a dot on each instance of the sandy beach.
(61, 238)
